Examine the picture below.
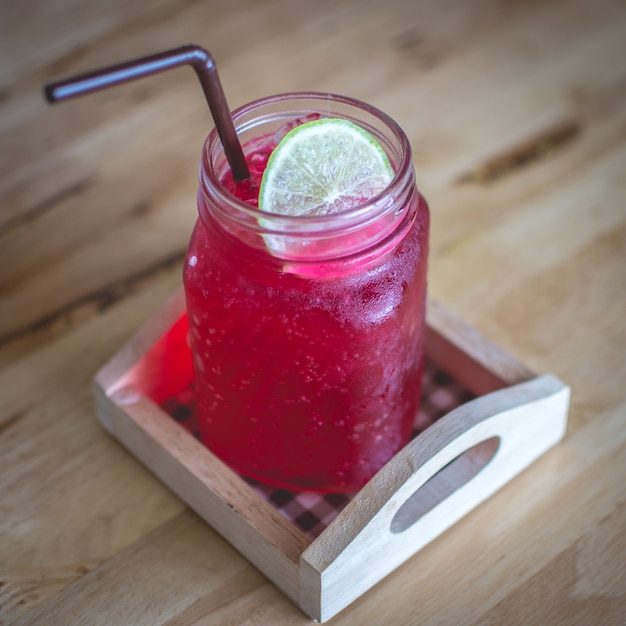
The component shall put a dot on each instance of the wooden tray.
(441, 475)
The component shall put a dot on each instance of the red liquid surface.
(305, 382)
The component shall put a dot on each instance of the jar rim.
(208, 176)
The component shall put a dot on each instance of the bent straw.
(198, 58)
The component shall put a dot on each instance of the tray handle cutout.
(437, 479)
(444, 483)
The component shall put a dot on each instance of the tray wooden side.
(432, 483)
(429, 485)
(219, 495)
(480, 365)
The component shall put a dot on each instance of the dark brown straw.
(198, 58)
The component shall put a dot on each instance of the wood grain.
(516, 113)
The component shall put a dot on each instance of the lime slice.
(323, 167)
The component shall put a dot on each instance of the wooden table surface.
(516, 111)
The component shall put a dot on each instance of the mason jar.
(307, 332)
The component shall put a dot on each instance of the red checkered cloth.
(313, 512)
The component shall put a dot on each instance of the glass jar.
(307, 332)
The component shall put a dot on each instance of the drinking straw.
(198, 58)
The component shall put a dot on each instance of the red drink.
(307, 341)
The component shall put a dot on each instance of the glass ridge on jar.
(307, 332)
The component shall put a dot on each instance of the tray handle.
(428, 486)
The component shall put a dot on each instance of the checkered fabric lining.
(313, 512)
